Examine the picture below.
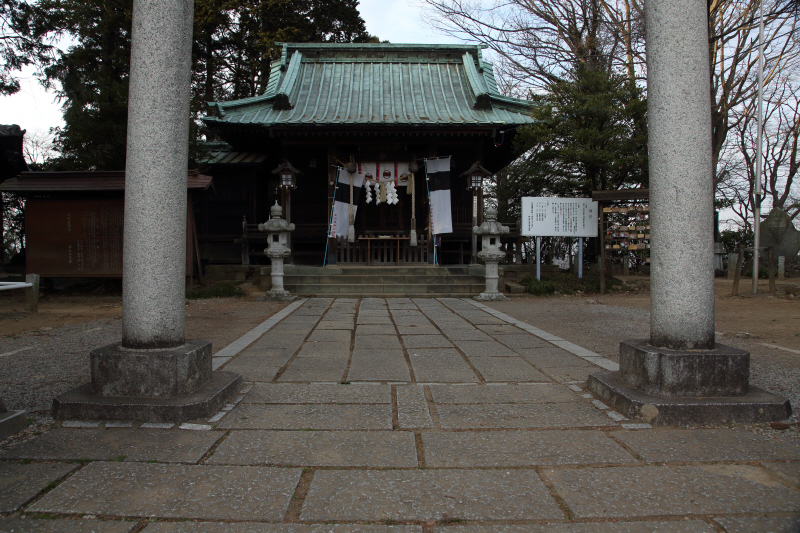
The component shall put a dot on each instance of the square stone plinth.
(721, 371)
(756, 406)
(82, 404)
(162, 373)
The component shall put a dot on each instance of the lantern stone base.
(672, 387)
(279, 296)
(170, 385)
(491, 297)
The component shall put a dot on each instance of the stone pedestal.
(154, 375)
(11, 422)
(679, 375)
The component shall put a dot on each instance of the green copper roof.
(377, 84)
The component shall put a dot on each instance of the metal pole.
(580, 257)
(330, 218)
(538, 262)
(759, 136)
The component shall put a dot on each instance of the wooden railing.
(382, 251)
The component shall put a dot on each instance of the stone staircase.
(382, 281)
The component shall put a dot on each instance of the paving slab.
(428, 495)
(378, 365)
(500, 329)
(315, 369)
(665, 445)
(376, 329)
(325, 350)
(292, 328)
(505, 369)
(336, 324)
(524, 341)
(374, 449)
(671, 490)
(300, 319)
(412, 407)
(377, 342)
(484, 349)
(276, 340)
(760, 524)
(569, 373)
(504, 416)
(175, 491)
(465, 334)
(443, 365)
(210, 527)
(372, 319)
(481, 318)
(790, 471)
(21, 482)
(544, 393)
(318, 393)
(413, 329)
(413, 342)
(408, 313)
(62, 444)
(552, 357)
(675, 526)
(27, 525)
(521, 448)
(336, 417)
(339, 336)
(254, 369)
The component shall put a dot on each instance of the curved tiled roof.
(377, 85)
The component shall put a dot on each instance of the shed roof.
(83, 181)
(336, 84)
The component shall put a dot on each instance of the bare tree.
(37, 147)
(780, 158)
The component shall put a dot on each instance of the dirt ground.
(219, 320)
(761, 317)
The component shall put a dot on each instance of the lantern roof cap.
(285, 165)
(476, 167)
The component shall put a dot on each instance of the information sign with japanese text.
(559, 217)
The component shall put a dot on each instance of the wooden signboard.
(74, 238)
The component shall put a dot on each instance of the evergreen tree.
(232, 52)
(588, 136)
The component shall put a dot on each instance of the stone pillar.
(154, 374)
(781, 268)
(679, 375)
(732, 260)
(681, 186)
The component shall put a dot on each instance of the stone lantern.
(277, 248)
(491, 253)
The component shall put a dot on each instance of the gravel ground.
(599, 324)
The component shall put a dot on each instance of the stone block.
(163, 373)
(756, 406)
(19, 482)
(494, 416)
(721, 371)
(352, 495)
(372, 449)
(175, 491)
(318, 393)
(81, 404)
(301, 417)
(55, 525)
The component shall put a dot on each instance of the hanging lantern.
(287, 175)
(475, 176)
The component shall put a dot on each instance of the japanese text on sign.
(559, 217)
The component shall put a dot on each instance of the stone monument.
(154, 374)
(679, 375)
(277, 249)
(491, 253)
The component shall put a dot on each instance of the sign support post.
(538, 258)
(580, 257)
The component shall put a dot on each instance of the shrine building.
(376, 152)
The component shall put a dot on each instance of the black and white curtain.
(438, 172)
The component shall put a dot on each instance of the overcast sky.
(398, 21)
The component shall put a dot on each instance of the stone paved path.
(400, 416)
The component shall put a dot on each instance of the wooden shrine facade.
(373, 104)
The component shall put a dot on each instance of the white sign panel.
(559, 217)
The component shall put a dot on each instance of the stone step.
(374, 279)
(389, 289)
(475, 270)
